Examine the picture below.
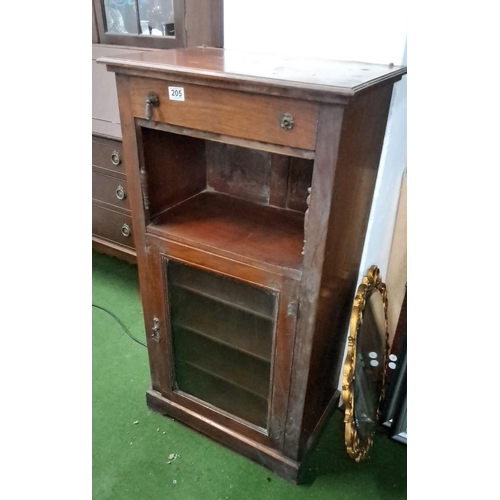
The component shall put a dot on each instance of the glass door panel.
(222, 332)
(140, 17)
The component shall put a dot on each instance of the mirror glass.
(369, 365)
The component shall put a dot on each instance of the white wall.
(387, 189)
(364, 31)
(368, 31)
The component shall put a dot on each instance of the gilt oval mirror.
(365, 364)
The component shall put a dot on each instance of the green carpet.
(131, 444)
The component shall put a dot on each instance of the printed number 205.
(176, 93)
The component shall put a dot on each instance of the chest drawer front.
(110, 190)
(108, 154)
(237, 114)
(112, 226)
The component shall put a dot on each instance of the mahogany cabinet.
(250, 182)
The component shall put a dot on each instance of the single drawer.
(112, 226)
(276, 120)
(110, 190)
(107, 153)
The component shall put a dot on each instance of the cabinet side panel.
(175, 166)
(360, 148)
(149, 294)
(300, 179)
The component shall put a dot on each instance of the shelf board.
(234, 305)
(227, 363)
(236, 228)
(222, 394)
(219, 377)
(221, 342)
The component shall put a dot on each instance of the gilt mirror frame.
(357, 445)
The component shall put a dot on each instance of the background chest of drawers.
(111, 220)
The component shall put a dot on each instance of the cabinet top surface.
(338, 77)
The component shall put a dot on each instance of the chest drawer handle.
(120, 193)
(126, 231)
(286, 121)
(152, 101)
(116, 159)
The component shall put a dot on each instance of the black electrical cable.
(127, 331)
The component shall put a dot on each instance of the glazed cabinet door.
(221, 345)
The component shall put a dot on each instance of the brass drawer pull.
(152, 101)
(116, 158)
(286, 121)
(120, 193)
(126, 231)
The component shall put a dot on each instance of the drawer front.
(112, 226)
(108, 154)
(110, 190)
(237, 114)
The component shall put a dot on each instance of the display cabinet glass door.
(222, 333)
(141, 23)
(143, 17)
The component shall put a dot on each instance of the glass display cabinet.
(159, 24)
